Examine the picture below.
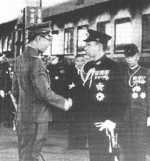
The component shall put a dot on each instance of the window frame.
(145, 50)
(70, 45)
(81, 51)
(103, 27)
(54, 32)
(119, 49)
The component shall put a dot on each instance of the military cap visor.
(100, 37)
(130, 50)
(42, 28)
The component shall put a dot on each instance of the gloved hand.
(148, 121)
(109, 125)
(2, 93)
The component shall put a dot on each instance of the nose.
(128, 59)
(85, 48)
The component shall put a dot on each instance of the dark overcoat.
(105, 86)
(135, 132)
(105, 90)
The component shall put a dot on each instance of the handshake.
(68, 104)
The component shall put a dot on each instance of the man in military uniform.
(105, 96)
(137, 116)
(31, 87)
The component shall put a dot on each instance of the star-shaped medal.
(100, 86)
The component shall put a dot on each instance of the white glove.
(2, 58)
(55, 61)
(68, 104)
(2, 93)
(148, 121)
(109, 125)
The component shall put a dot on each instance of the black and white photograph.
(74, 80)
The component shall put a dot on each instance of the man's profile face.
(43, 42)
(92, 48)
(132, 61)
(79, 62)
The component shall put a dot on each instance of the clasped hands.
(68, 104)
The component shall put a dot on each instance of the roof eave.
(48, 12)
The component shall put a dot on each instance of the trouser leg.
(30, 140)
(134, 141)
(99, 146)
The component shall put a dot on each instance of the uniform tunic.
(106, 101)
(135, 129)
(31, 85)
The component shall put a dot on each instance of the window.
(146, 33)
(10, 42)
(105, 27)
(82, 35)
(5, 45)
(19, 41)
(0, 45)
(55, 42)
(69, 44)
(123, 34)
(79, 2)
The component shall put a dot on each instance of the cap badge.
(87, 34)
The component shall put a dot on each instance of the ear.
(100, 46)
(138, 55)
(37, 39)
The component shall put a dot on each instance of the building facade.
(127, 21)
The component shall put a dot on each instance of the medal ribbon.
(89, 76)
(130, 77)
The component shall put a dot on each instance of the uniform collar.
(99, 61)
(78, 70)
(134, 70)
(32, 52)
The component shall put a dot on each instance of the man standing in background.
(77, 135)
(137, 116)
(31, 87)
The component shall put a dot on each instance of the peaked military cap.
(100, 37)
(130, 50)
(42, 28)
